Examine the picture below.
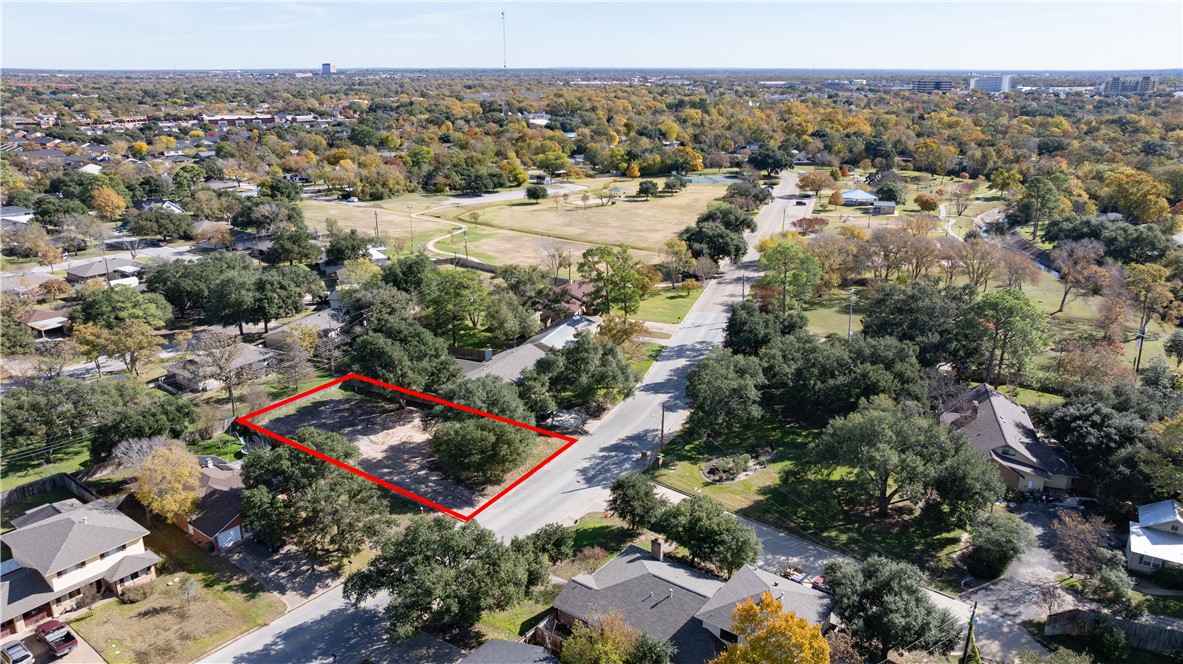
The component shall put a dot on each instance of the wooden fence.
(1153, 633)
(45, 485)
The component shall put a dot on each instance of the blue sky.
(982, 36)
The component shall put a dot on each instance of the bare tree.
(963, 195)
(555, 255)
(920, 255)
(1077, 262)
(133, 451)
(942, 386)
(216, 357)
(950, 259)
(1018, 269)
(51, 357)
(1051, 598)
(981, 261)
(1078, 540)
(705, 268)
(1114, 309)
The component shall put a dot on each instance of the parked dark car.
(58, 637)
(819, 583)
(802, 203)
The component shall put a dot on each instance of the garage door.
(228, 537)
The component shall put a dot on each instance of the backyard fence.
(1153, 633)
(45, 485)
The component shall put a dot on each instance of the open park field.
(496, 246)
(395, 444)
(393, 217)
(636, 222)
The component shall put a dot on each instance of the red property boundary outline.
(245, 421)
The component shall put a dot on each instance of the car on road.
(819, 584)
(121, 229)
(802, 203)
(16, 653)
(58, 637)
(805, 196)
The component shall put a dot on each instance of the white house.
(1156, 538)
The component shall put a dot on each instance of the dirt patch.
(395, 445)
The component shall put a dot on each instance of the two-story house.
(1156, 538)
(1001, 430)
(61, 549)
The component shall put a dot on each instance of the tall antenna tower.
(504, 70)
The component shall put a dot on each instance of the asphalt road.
(577, 480)
(570, 486)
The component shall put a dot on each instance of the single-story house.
(509, 364)
(1001, 430)
(217, 522)
(25, 285)
(90, 169)
(858, 197)
(573, 296)
(152, 204)
(49, 322)
(16, 214)
(109, 268)
(326, 323)
(883, 208)
(60, 551)
(194, 373)
(673, 602)
(1156, 538)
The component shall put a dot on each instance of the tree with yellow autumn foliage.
(768, 635)
(107, 203)
(167, 482)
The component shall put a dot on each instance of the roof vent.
(83, 519)
(671, 593)
(781, 595)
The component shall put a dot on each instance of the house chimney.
(656, 550)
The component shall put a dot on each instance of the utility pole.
(411, 219)
(743, 287)
(850, 319)
(465, 244)
(969, 634)
(375, 224)
(661, 435)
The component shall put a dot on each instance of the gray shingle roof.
(499, 651)
(999, 421)
(45, 511)
(639, 588)
(57, 542)
(101, 267)
(130, 565)
(749, 583)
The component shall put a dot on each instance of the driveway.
(83, 654)
(330, 630)
(288, 573)
(1014, 598)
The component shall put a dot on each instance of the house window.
(74, 593)
(728, 637)
(1006, 451)
(73, 568)
(1174, 529)
(112, 552)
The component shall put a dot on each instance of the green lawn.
(821, 509)
(1160, 605)
(165, 628)
(646, 356)
(513, 623)
(66, 459)
(224, 446)
(598, 537)
(667, 306)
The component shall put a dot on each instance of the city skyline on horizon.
(887, 36)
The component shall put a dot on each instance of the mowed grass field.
(393, 218)
(501, 247)
(638, 223)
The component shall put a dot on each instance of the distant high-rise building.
(932, 85)
(1129, 85)
(992, 83)
(328, 69)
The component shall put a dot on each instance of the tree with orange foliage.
(107, 203)
(768, 635)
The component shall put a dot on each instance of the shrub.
(555, 541)
(997, 540)
(1110, 643)
(137, 593)
(1168, 577)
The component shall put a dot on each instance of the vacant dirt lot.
(395, 445)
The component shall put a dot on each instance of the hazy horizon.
(869, 36)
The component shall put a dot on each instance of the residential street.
(578, 480)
